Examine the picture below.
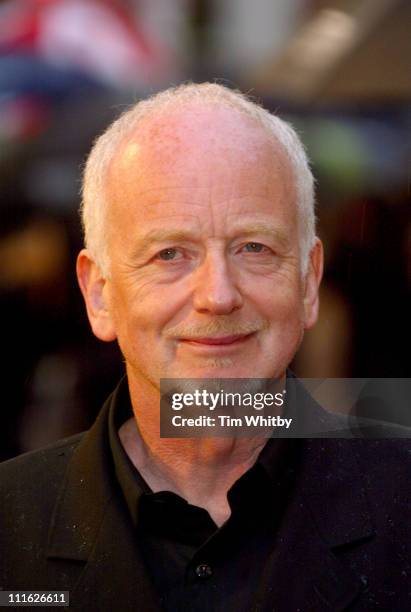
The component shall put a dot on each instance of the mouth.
(236, 339)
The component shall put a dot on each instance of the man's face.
(203, 242)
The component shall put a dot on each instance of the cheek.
(167, 305)
(139, 316)
(284, 313)
(281, 303)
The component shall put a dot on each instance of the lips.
(217, 341)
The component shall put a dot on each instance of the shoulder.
(386, 463)
(30, 482)
(380, 459)
(29, 488)
(343, 471)
(41, 463)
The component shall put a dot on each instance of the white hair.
(94, 201)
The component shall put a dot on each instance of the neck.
(200, 470)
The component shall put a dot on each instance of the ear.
(93, 286)
(312, 284)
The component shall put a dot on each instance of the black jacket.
(343, 544)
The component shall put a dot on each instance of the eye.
(168, 254)
(254, 247)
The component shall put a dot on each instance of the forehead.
(200, 124)
(195, 149)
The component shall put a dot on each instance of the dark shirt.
(194, 564)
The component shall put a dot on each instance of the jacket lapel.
(115, 577)
(335, 494)
(91, 524)
(326, 514)
(337, 518)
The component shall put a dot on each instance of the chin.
(224, 367)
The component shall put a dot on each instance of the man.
(201, 261)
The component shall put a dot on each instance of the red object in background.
(99, 37)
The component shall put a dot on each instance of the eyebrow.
(278, 234)
(164, 235)
(159, 235)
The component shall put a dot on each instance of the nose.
(215, 290)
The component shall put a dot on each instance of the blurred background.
(339, 70)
